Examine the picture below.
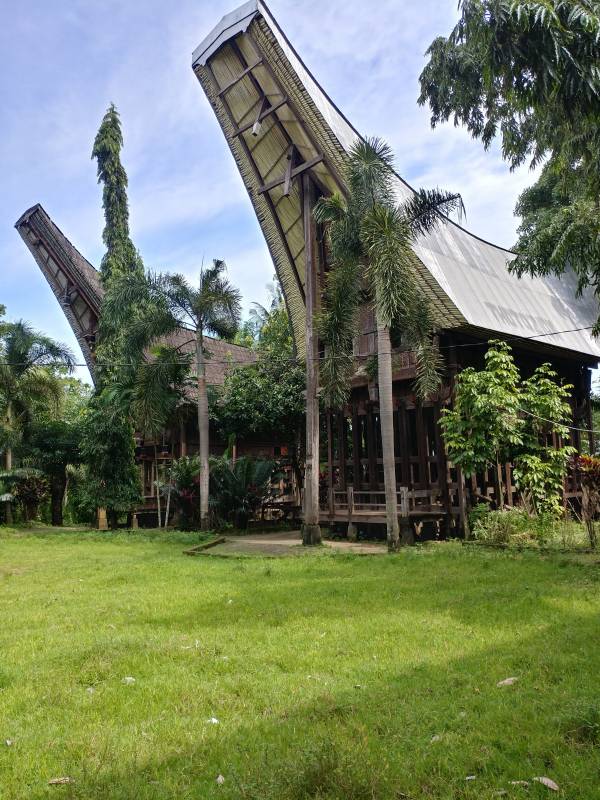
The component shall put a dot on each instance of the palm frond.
(329, 209)
(386, 238)
(337, 328)
(427, 209)
(370, 172)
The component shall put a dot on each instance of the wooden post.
(330, 465)
(442, 463)
(372, 449)
(182, 438)
(311, 532)
(102, 521)
(404, 443)
(356, 445)
(352, 533)
(462, 503)
(342, 454)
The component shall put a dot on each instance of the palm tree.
(371, 241)
(152, 393)
(27, 380)
(170, 303)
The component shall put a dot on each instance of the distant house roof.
(250, 72)
(78, 289)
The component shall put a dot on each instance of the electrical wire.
(295, 359)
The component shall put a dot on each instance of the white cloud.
(187, 199)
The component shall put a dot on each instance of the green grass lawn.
(331, 676)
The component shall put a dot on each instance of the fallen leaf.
(59, 781)
(220, 780)
(507, 682)
(547, 782)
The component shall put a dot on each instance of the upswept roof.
(250, 72)
(78, 289)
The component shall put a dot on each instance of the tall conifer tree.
(121, 256)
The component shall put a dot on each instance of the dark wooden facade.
(430, 488)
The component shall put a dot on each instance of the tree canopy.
(121, 256)
(528, 72)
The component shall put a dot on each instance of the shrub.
(238, 488)
(514, 526)
(589, 471)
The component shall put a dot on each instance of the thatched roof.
(250, 72)
(78, 289)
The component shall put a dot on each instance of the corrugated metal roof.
(467, 276)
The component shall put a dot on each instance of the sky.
(65, 61)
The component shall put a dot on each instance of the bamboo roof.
(251, 74)
(77, 287)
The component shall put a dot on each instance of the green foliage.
(524, 70)
(185, 476)
(30, 383)
(107, 448)
(265, 398)
(239, 487)
(29, 489)
(483, 426)
(121, 257)
(54, 445)
(370, 241)
(512, 526)
(497, 417)
(560, 228)
(528, 72)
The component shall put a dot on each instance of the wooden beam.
(294, 173)
(262, 114)
(291, 158)
(243, 74)
(356, 447)
(334, 173)
(252, 162)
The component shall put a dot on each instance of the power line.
(556, 422)
(295, 359)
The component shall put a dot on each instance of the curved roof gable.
(251, 74)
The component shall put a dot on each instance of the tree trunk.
(203, 430)
(311, 532)
(157, 485)
(498, 485)
(58, 485)
(386, 415)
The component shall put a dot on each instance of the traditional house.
(78, 289)
(290, 143)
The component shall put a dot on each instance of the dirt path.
(285, 544)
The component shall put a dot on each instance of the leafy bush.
(185, 475)
(29, 488)
(238, 488)
(515, 527)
